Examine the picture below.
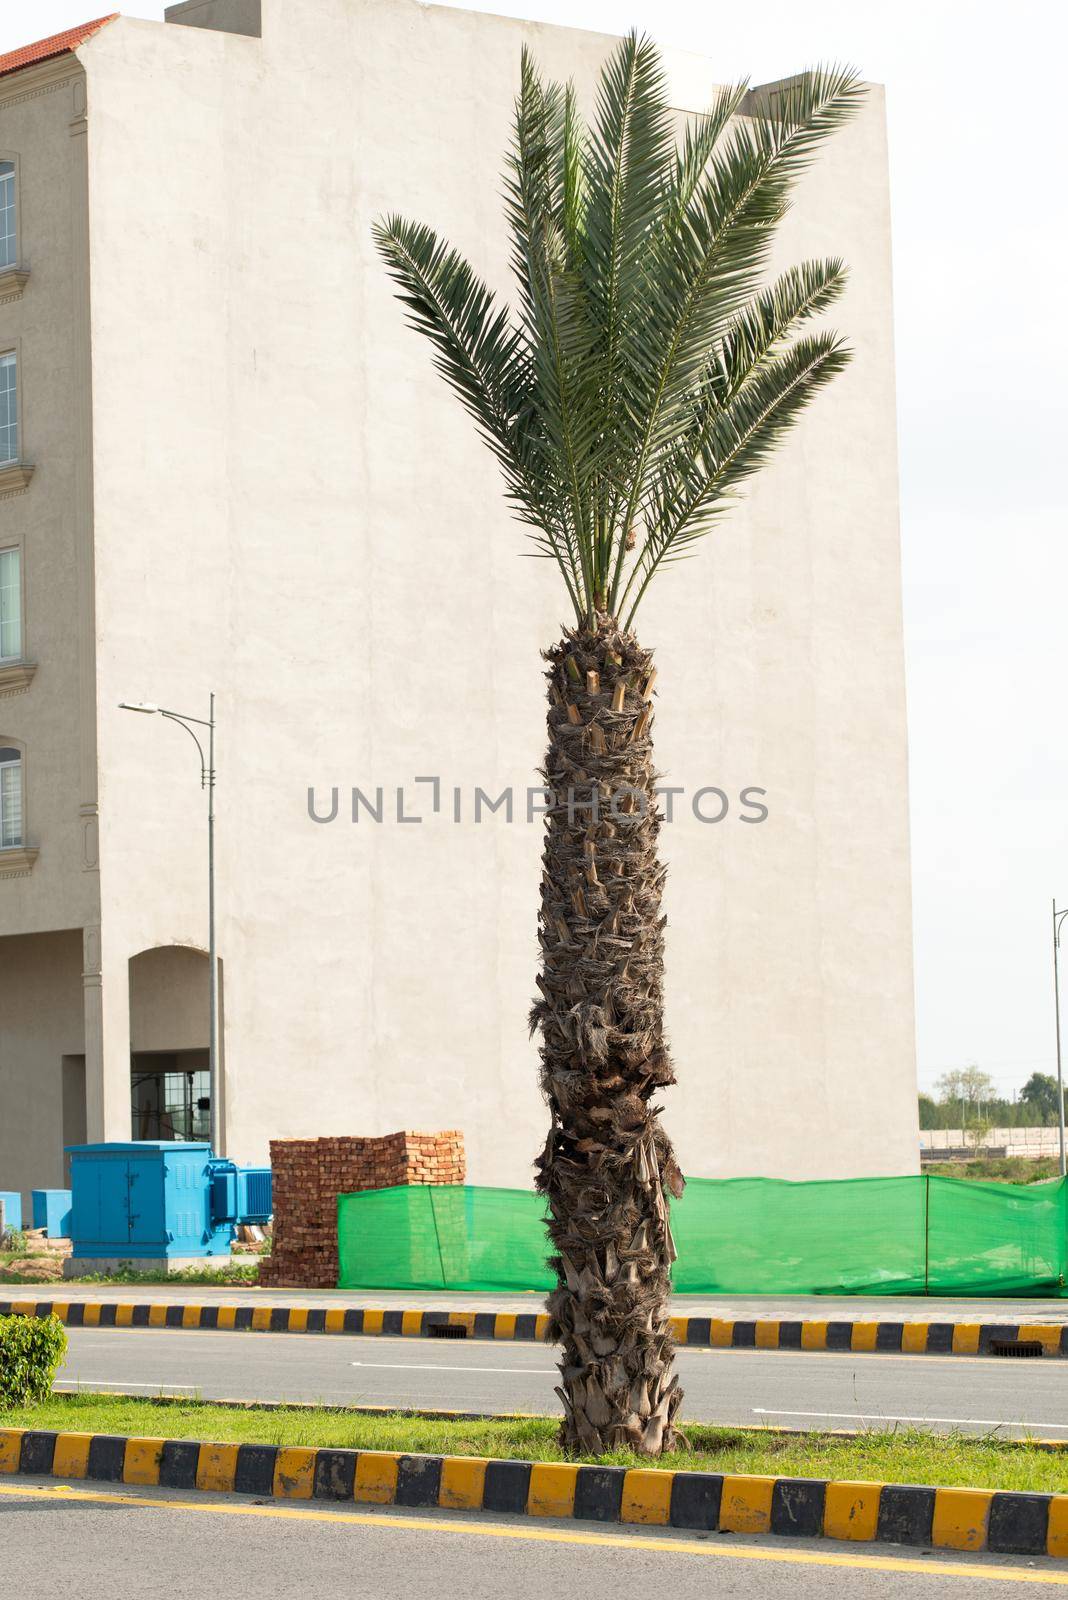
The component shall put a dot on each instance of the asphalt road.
(818, 1390)
(131, 1544)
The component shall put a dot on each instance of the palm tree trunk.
(607, 1161)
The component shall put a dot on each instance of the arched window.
(9, 244)
(9, 408)
(11, 807)
(10, 604)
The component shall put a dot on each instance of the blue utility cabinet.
(148, 1198)
(255, 1194)
(12, 1199)
(51, 1211)
(241, 1194)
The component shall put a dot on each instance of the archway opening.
(169, 1032)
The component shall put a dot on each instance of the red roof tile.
(57, 45)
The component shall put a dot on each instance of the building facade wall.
(169, 1000)
(292, 511)
(45, 907)
(41, 128)
(42, 1049)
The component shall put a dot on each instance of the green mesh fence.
(447, 1236)
(915, 1235)
(997, 1238)
(764, 1236)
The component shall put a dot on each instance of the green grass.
(889, 1457)
(997, 1169)
(238, 1272)
(241, 1271)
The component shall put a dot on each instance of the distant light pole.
(1058, 918)
(207, 781)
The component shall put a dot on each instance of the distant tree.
(929, 1113)
(979, 1087)
(964, 1088)
(978, 1134)
(949, 1087)
(1040, 1092)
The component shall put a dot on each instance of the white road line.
(102, 1383)
(457, 1372)
(860, 1416)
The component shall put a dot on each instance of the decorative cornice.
(14, 479)
(17, 862)
(16, 677)
(41, 78)
(12, 282)
(30, 94)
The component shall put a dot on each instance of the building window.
(170, 1105)
(8, 237)
(9, 409)
(10, 798)
(10, 606)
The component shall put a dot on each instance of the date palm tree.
(648, 369)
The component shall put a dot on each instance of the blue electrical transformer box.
(12, 1199)
(148, 1198)
(51, 1211)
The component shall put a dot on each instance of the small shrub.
(31, 1349)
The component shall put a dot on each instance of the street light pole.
(1058, 918)
(207, 781)
(213, 974)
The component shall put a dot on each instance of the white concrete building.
(227, 465)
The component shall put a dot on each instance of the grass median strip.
(899, 1456)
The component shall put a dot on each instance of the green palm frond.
(728, 446)
(649, 369)
(628, 156)
(699, 141)
(571, 178)
(485, 361)
(559, 334)
(761, 327)
(713, 251)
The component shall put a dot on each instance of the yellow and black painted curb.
(765, 1333)
(1004, 1522)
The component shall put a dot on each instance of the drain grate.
(1021, 1348)
(452, 1330)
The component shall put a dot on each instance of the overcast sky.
(977, 169)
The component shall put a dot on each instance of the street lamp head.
(207, 781)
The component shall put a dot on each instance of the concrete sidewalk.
(904, 1308)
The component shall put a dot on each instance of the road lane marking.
(466, 1524)
(122, 1384)
(421, 1366)
(859, 1416)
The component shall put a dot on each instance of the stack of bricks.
(307, 1175)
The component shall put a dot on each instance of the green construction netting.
(915, 1235)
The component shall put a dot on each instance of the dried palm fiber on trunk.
(607, 1161)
